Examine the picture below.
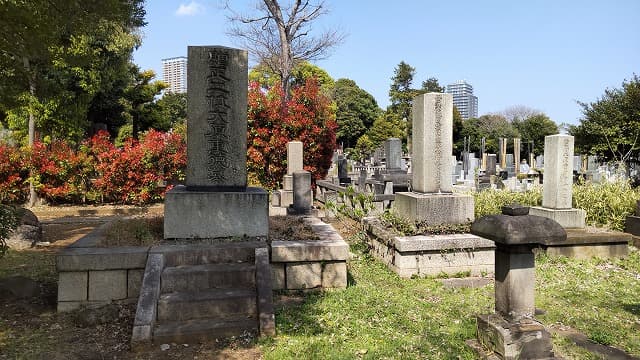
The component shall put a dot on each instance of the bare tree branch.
(281, 42)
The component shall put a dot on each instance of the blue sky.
(542, 54)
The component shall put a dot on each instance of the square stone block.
(216, 214)
(134, 282)
(435, 208)
(304, 276)
(278, 276)
(92, 258)
(72, 286)
(287, 182)
(286, 197)
(107, 285)
(310, 250)
(567, 218)
(334, 275)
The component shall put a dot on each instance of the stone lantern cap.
(516, 227)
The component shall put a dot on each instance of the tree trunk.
(33, 196)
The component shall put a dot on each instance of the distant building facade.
(174, 73)
(463, 99)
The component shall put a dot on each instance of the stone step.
(218, 303)
(207, 276)
(197, 254)
(202, 330)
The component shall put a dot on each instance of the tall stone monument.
(558, 183)
(432, 199)
(516, 154)
(216, 202)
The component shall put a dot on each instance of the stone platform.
(592, 242)
(216, 214)
(435, 208)
(567, 218)
(430, 255)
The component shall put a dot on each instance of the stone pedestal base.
(285, 198)
(524, 339)
(213, 214)
(435, 208)
(287, 183)
(567, 218)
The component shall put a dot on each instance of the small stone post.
(343, 173)
(516, 155)
(502, 144)
(302, 197)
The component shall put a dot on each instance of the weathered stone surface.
(277, 276)
(217, 113)
(567, 218)
(558, 172)
(441, 242)
(588, 251)
(107, 285)
(432, 143)
(208, 214)
(266, 315)
(134, 282)
(514, 340)
(334, 275)
(514, 283)
(124, 257)
(304, 276)
(294, 157)
(393, 154)
(435, 208)
(72, 286)
(302, 197)
(519, 230)
(147, 302)
(286, 197)
(632, 225)
(310, 250)
(287, 182)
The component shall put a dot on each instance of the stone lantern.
(512, 332)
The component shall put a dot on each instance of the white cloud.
(193, 8)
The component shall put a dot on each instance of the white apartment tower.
(463, 99)
(174, 73)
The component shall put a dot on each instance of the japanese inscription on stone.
(217, 136)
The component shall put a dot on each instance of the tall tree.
(140, 97)
(355, 113)
(37, 38)
(610, 126)
(400, 93)
(303, 70)
(535, 128)
(432, 85)
(491, 127)
(280, 36)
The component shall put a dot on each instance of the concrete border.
(146, 311)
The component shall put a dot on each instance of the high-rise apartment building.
(174, 73)
(463, 99)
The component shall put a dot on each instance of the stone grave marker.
(558, 183)
(432, 198)
(216, 202)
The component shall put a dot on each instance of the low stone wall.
(89, 275)
(310, 264)
(430, 255)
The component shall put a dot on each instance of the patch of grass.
(39, 265)
(403, 226)
(142, 231)
(381, 316)
(596, 297)
(290, 228)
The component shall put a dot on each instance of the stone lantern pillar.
(513, 332)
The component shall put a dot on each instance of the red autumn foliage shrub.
(95, 172)
(13, 174)
(273, 121)
(131, 175)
